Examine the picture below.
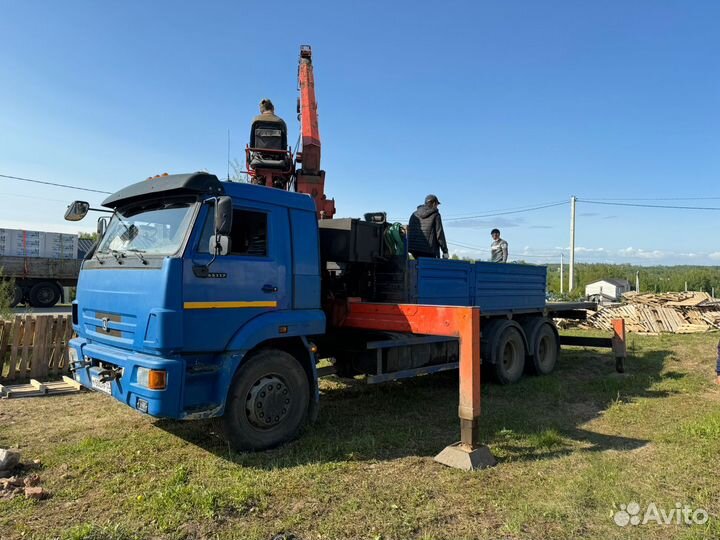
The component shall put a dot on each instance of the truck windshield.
(154, 229)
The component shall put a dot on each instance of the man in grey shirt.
(498, 248)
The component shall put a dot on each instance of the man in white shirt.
(498, 248)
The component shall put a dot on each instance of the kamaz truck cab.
(198, 302)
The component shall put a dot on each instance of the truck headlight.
(154, 379)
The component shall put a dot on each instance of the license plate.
(97, 384)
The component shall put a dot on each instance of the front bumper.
(94, 358)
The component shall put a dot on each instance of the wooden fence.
(34, 347)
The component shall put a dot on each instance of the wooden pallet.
(34, 346)
(36, 388)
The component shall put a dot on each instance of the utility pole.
(562, 285)
(571, 282)
(637, 281)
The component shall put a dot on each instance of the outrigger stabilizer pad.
(461, 456)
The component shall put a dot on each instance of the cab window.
(248, 235)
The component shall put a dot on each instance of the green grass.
(572, 447)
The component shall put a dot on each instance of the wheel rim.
(509, 354)
(268, 402)
(543, 350)
(546, 355)
(45, 295)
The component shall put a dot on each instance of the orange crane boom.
(310, 178)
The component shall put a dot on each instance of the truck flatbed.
(40, 267)
(39, 281)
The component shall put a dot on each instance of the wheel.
(267, 403)
(509, 355)
(545, 349)
(17, 296)
(44, 294)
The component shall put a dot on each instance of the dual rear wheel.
(514, 348)
(42, 295)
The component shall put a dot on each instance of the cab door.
(252, 279)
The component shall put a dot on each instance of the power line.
(519, 255)
(499, 212)
(523, 207)
(33, 197)
(656, 199)
(636, 205)
(34, 181)
(466, 246)
(530, 209)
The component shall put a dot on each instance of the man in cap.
(498, 247)
(426, 237)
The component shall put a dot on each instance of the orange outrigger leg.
(453, 321)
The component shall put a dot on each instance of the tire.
(17, 296)
(44, 295)
(545, 348)
(270, 380)
(508, 355)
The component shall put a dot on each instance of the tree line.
(652, 278)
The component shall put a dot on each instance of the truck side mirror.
(101, 226)
(219, 245)
(223, 216)
(77, 210)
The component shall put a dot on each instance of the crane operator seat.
(268, 132)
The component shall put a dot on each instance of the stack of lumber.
(678, 313)
(37, 388)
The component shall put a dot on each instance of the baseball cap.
(431, 198)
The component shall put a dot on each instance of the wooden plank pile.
(36, 388)
(34, 347)
(679, 313)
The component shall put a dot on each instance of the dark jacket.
(425, 232)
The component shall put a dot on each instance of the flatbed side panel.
(509, 286)
(40, 267)
(442, 282)
(492, 287)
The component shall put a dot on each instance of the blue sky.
(490, 105)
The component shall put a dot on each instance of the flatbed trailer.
(39, 281)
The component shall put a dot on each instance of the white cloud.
(632, 253)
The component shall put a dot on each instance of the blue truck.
(215, 299)
(208, 299)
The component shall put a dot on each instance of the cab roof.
(202, 183)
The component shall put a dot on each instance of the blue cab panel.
(493, 287)
(161, 314)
